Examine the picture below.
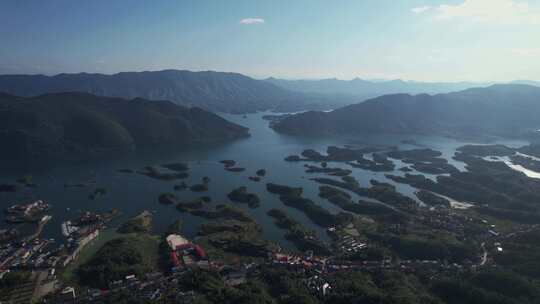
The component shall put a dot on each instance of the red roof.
(184, 246)
(200, 252)
(174, 258)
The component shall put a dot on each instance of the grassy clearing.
(118, 258)
(68, 274)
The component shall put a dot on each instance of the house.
(493, 232)
(175, 241)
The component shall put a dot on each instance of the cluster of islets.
(30, 212)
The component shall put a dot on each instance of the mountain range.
(225, 92)
(76, 126)
(366, 89)
(361, 89)
(510, 110)
(215, 91)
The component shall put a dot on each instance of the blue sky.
(429, 40)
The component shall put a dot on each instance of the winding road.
(484, 256)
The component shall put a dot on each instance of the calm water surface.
(265, 149)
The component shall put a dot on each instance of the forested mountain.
(505, 110)
(81, 125)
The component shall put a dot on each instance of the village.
(44, 258)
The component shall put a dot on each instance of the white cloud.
(420, 9)
(490, 11)
(252, 21)
(526, 51)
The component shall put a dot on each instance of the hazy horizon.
(374, 80)
(421, 40)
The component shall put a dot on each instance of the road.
(39, 229)
(484, 256)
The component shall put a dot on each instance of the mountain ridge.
(369, 89)
(501, 110)
(216, 91)
(79, 126)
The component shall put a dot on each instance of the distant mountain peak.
(366, 89)
(216, 91)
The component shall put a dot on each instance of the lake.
(265, 149)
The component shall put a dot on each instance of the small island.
(303, 238)
(191, 206)
(228, 163)
(167, 198)
(379, 163)
(424, 160)
(329, 171)
(343, 200)
(142, 223)
(283, 190)
(223, 211)
(293, 158)
(382, 192)
(27, 213)
(242, 196)
(155, 173)
(235, 169)
(179, 167)
(292, 197)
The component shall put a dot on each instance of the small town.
(45, 258)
